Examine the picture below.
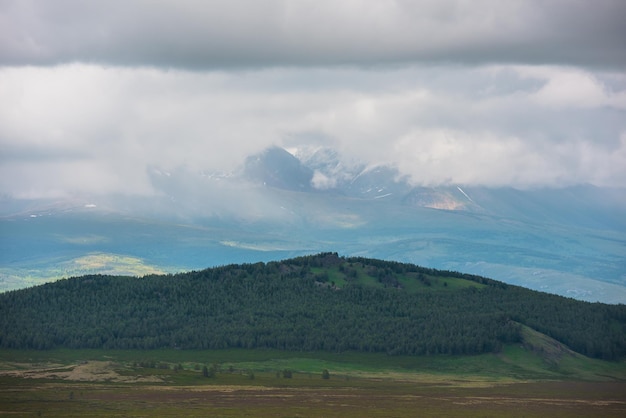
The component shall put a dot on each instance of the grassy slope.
(534, 359)
(93, 263)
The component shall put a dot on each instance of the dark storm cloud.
(235, 33)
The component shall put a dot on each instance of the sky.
(521, 93)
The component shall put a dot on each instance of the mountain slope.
(275, 167)
(322, 302)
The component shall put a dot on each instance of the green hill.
(314, 303)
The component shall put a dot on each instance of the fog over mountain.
(486, 136)
(277, 204)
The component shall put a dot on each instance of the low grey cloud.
(520, 93)
(238, 33)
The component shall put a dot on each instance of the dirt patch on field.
(88, 371)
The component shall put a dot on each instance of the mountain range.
(288, 202)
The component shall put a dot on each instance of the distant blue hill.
(570, 241)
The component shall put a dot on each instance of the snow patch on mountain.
(464, 194)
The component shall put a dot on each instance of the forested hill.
(321, 302)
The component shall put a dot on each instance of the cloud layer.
(522, 93)
(242, 33)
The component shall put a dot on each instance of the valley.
(586, 264)
(568, 241)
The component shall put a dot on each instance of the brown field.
(273, 397)
(524, 400)
(55, 384)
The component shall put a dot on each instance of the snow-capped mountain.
(325, 170)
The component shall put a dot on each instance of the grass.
(515, 362)
(515, 382)
(409, 281)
